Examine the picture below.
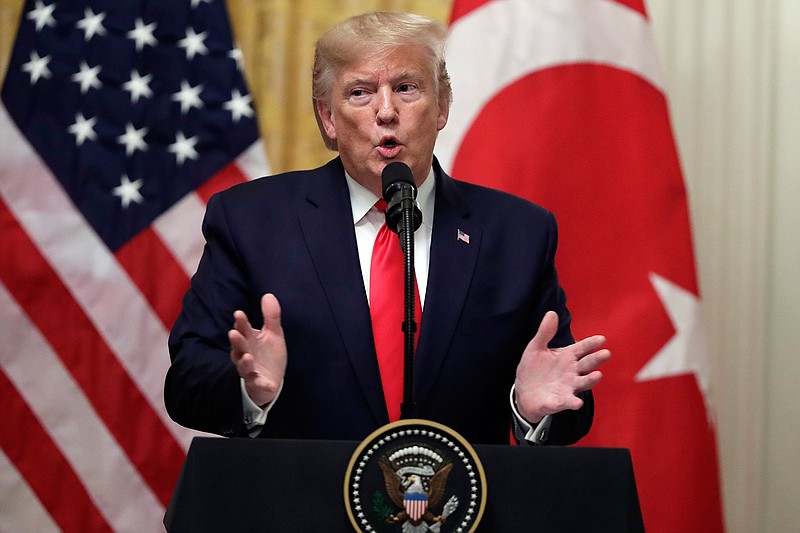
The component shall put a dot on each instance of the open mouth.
(389, 147)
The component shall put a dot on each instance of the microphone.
(404, 217)
(400, 193)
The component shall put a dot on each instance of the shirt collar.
(362, 199)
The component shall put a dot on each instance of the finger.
(239, 345)
(574, 403)
(242, 324)
(592, 361)
(547, 330)
(271, 310)
(584, 383)
(588, 345)
(246, 366)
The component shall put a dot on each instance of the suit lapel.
(452, 262)
(329, 235)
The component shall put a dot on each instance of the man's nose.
(387, 110)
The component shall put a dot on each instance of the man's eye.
(405, 87)
(357, 92)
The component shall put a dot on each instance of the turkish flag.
(562, 102)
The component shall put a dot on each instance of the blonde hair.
(376, 33)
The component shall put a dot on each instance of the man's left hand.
(549, 379)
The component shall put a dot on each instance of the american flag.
(118, 120)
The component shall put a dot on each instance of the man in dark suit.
(292, 253)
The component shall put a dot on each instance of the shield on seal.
(415, 504)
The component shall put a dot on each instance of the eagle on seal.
(408, 493)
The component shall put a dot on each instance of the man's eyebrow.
(411, 74)
(352, 82)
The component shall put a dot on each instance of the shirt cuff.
(534, 435)
(254, 416)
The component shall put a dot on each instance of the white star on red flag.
(687, 351)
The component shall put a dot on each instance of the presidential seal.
(415, 476)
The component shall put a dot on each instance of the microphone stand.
(408, 408)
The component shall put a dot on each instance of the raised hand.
(260, 354)
(548, 380)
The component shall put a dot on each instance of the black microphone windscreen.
(396, 172)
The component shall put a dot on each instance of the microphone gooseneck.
(403, 216)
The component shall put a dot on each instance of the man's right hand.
(260, 354)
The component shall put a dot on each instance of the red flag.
(118, 119)
(562, 102)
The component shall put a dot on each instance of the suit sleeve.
(566, 427)
(202, 388)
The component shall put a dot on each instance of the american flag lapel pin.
(463, 237)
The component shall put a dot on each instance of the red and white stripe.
(86, 442)
(415, 507)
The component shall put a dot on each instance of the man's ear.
(325, 119)
(323, 109)
(444, 112)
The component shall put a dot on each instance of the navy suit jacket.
(292, 235)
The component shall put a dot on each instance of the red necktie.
(386, 294)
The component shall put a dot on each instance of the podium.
(293, 486)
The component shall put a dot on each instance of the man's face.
(385, 109)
